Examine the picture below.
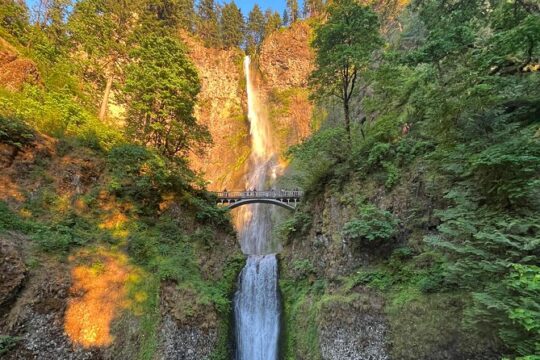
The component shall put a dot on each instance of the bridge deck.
(268, 194)
(284, 198)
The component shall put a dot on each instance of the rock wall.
(15, 71)
(221, 107)
(284, 62)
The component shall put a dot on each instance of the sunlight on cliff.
(98, 293)
(116, 223)
(10, 190)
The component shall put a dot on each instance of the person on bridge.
(225, 193)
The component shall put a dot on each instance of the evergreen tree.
(344, 45)
(207, 23)
(285, 17)
(273, 22)
(161, 90)
(232, 25)
(293, 10)
(256, 26)
(171, 14)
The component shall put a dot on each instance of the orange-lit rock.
(286, 58)
(98, 293)
(16, 71)
(221, 108)
(286, 61)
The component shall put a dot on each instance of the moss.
(423, 325)
(301, 319)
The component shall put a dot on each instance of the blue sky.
(245, 5)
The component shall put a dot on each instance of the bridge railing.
(266, 194)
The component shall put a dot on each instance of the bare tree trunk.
(347, 112)
(106, 95)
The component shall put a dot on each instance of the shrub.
(377, 153)
(297, 225)
(58, 113)
(15, 132)
(371, 226)
(143, 175)
(7, 343)
(11, 221)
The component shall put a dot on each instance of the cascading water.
(257, 303)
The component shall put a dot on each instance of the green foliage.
(58, 114)
(232, 25)
(13, 17)
(344, 44)
(161, 90)
(7, 343)
(142, 175)
(207, 23)
(377, 153)
(272, 22)
(207, 212)
(301, 311)
(15, 132)
(293, 12)
(371, 226)
(319, 157)
(256, 26)
(11, 221)
(298, 225)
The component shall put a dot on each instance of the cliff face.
(284, 64)
(286, 60)
(221, 108)
(15, 71)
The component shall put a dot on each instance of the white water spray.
(256, 303)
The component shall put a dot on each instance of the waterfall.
(256, 302)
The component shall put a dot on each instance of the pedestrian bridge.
(287, 199)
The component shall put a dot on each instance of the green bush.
(377, 153)
(11, 221)
(372, 226)
(297, 225)
(59, 113)
(7, 343)
(142, 175)
(15, 132)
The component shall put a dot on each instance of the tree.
(256, 27)
(272, 22)
(313, 7)
(207, 23)
(293, 9)
(344, 44)
(232, 25)
(103, 29)
(54, 25)
(172, 14)
(14, 17)
(285, 18)
(160, 93)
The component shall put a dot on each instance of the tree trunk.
(347, 113)
(105, 101)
